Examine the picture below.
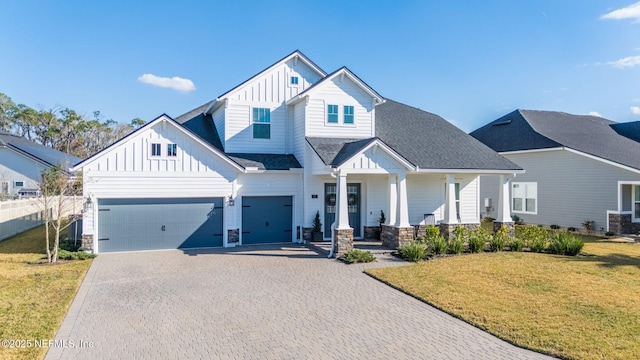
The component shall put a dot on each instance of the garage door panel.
(266, 219)
(146, 224)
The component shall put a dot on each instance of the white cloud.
(175, 83)
(629, 12)
(595, 113)
(627, 62)
(635, 110)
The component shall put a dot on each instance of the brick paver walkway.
(268, 302)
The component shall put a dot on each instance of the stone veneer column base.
(343, 241)
(87, 243)
(372, 233)
(622, 224)
(393, 237)
(510, 225)
(446, 230)
(233, 236)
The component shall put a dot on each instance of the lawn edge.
(366, 272)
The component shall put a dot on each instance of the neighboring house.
(22, 161)
(578, 168)
(255, 164)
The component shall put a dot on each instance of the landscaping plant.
(413, 251)
(438, 245)
(516, 244)
(500, 239)
(431, 232)
(358, 256)
(477, 239)
(535, 237)
(564, 243)
(455, 244)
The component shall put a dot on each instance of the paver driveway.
(258, 303)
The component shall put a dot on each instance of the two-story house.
(257, 163)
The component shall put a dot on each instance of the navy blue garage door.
(266, 219)
(150, 224)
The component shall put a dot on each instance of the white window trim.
(163, 150)
(17, 181)
(633, 203)
(294, 85)
(340, 121)
(253, 122)
(524, 200)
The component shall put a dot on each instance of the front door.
(353, 199)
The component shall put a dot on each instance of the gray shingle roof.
(532, 129)
(630, 130)
(266, 161)
(430, 142)
(40, 152)
(333, 151)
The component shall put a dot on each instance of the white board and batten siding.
(129, 171)
(571, 188)
(269, 90)
(340, 92)
(426, 195)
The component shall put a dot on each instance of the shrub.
(554, 226)
(431, 232)
(516, 219)
(609, 233)
(358, 256)
(571, 229)
(74, 255)
(564, 243)
(69, 245)
(413, 251)
(477, 239)
(499, 239)
(488, 219)
(516, 244)
(535, 237)
(455, 245)
(438, 245)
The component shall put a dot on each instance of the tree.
(57, 186)
(7, 107)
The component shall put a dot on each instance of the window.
(348, 114)
(172, 150)
(332, 114)
(457, 194)
(524, 197)
(294, 80)
(636, 202)
(155, 149)
(18, 183)
(261, 123)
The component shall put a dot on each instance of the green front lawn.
(34, 298)
(582, 307)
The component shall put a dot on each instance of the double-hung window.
(524, 197)
(261, 123)
(348, 114)
(155, 149)
(18, 184)
(332, 114)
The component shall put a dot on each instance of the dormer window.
(332, 114)
(155, 149)
(294, 80)
(348, 114)
(261, 123)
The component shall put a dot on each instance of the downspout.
(301, 240)
(333, 226)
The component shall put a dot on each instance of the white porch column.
(342, 208)
(504, 203)
(450, 215)
(402, 213)
(393, 196)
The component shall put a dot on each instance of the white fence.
(17, 216)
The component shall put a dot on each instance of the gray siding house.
(577, 168)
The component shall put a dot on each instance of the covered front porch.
(626, 218)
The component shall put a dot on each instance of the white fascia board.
(471, 171)
(342, 72)
(384, 147)
(165, 119)
(608, 162)
(214, 105)
(255, 170)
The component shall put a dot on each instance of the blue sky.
(468, 61)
